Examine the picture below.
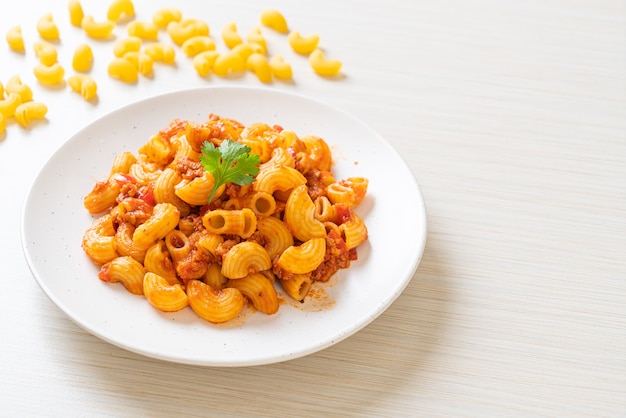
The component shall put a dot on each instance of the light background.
(511, 115)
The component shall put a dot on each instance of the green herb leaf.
(230, 163)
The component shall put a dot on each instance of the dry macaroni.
(83, 58)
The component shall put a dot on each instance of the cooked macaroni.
(158, 234)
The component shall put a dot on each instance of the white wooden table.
(512, 116)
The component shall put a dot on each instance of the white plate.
(54, 220)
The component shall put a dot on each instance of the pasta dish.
(218, 215)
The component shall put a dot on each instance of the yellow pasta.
(122, 163)
(103, 196)
(350, 191)
(15, 39)
(25, 113)
(228, 63)
(45, 52)
(214, 305)
(162, 295)
(165, 16)
(197, 190)
(3, 123)
(354, 231)
(165, 190)
(203, 62)
(303, 44)
(245, 258)
(278, 178)
(83, 84)
(157, 260)
(164, 218)
(99, 240)
(83, 58)
(10, 104)
(127, 44)
(277, 235)
(300, 215)
(15, 85)
(143, 30)
(318, 153)
(214, 277)
(323, 66)
(141, 60)
(230, 36)
(124, 70)
(161, 52)
(261, 203)
(303, 258)
(280, 68)
(273, 19)
(297, 286)
(196, 44)
(258, 64)
(76, 13)
(119, 9)
(158, 150)
(238, 222)
(47, 28)
(259, 290)
(97, 29)
(255, 36)
(125, 270)
(125, 245)
(184, 29)
(245, 49)
(49, 74)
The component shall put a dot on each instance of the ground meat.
(189, 169)
(337, 257)
(225, 246)
(175, 127)
(133, 211)
(317, 181)
(195, 265)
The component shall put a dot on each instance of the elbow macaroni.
(163, 17)
(83, 58)
(273, 19)
(45, 52)
(15, 39)
(26, 112)
(76, 13)
(230, 36)
(184, 29)
(15, 85)
(119, 9)
(49, 74)
(47, 28)
(143, 30)
(158, 235)
(322, 66)
(97, 30)
(84, 85)
(303, 44)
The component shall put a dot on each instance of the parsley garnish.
(230, 163)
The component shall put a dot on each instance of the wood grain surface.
(512, 117)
